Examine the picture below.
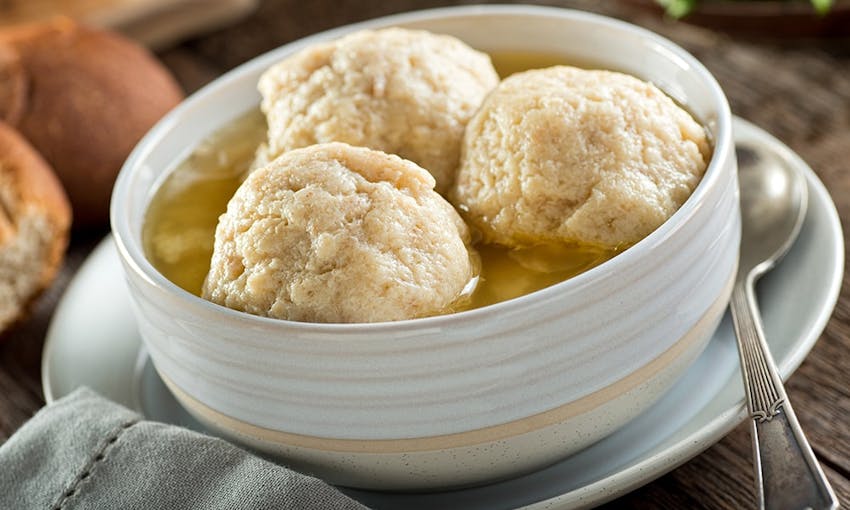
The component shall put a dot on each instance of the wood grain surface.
(799, 90)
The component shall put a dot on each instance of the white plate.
(93, 341)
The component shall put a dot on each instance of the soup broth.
(179, 229)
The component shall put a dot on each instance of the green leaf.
(822, 6)
(679, 8)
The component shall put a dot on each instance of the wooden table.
(797, 90)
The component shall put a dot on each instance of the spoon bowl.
(774, 198)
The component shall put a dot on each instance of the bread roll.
(90, 96)
(34, 221)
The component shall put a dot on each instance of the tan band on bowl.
(232, 426)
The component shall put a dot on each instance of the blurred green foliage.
(679, 8)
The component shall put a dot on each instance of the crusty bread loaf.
(90, 96)
(34, 221)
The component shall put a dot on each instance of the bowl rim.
(131, 250)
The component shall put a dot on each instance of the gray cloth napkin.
(84, 452)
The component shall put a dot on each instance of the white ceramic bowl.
(464, 398)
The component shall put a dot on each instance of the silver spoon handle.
(787, 474)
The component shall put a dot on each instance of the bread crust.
(13, 85)
(91, 95)
(28, 186)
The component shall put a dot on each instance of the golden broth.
(179, 229)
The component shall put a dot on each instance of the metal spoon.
(773, 204)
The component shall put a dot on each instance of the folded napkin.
(84, 452)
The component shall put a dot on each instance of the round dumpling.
(571, 155)
(335, 233)
(405, 92)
